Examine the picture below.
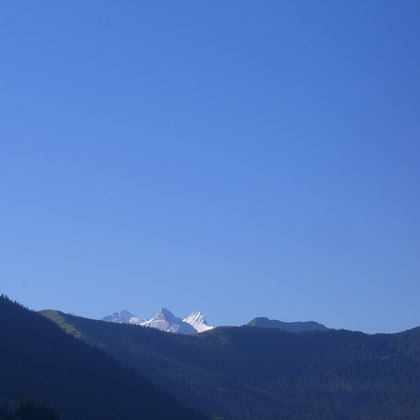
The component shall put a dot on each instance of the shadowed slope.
(80, 382)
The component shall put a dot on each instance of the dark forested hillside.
(258, 373)
(78, 381)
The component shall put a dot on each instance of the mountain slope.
(263, 322)
(250, 373)
(80, 382)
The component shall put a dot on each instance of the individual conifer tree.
(29, 408)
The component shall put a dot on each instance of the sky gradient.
(241, 158)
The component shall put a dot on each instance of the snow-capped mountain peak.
(197, 320)
(166, 314)
(165, 320)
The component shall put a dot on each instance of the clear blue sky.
(242, 158)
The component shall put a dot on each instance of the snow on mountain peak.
(197, 320)
(164, 320)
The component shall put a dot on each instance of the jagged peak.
(197, 320)
(167, 314)
(164, 320)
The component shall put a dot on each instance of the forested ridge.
(258, 373)
(263, 322)
(80, 382)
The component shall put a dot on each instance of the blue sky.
(242, 158)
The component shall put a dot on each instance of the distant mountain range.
(164, 320)
(294, 327)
